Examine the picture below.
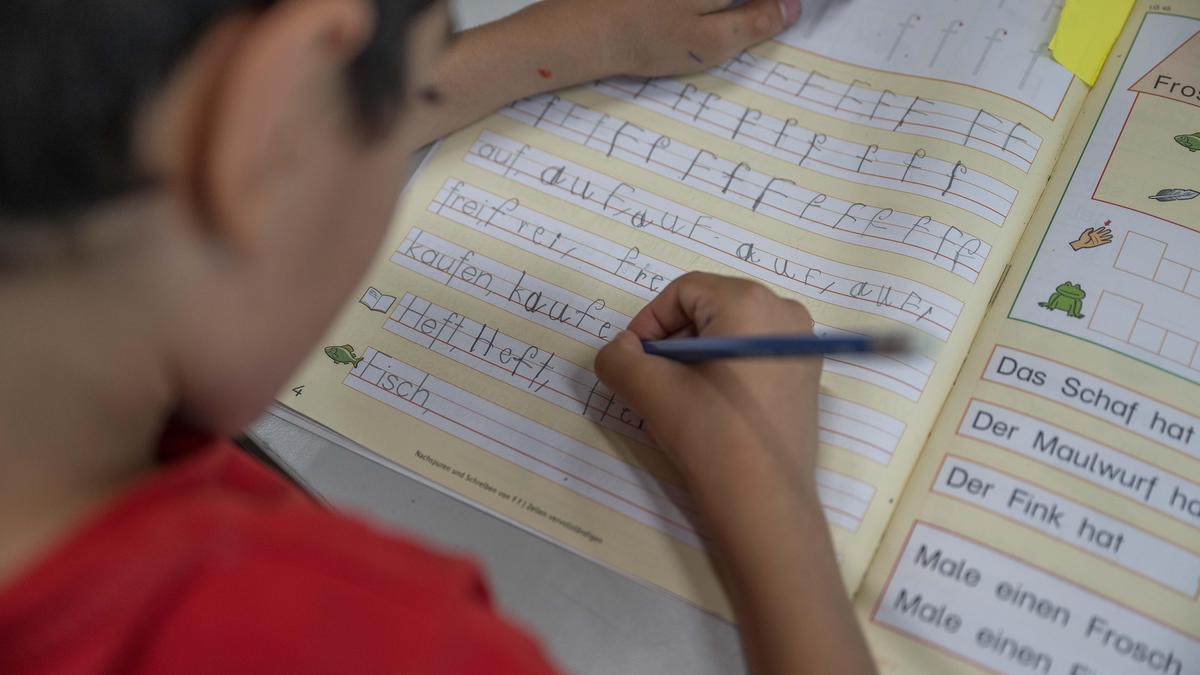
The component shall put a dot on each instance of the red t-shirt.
(217, 565)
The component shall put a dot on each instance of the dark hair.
(75, 73)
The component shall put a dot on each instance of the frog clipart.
(1067, 297)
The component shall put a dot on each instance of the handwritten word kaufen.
(588, 320)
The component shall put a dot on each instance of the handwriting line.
(1020, 155)
(630, 198)
(949, 254)
(682, 525)
(865, 292)
(899, 379)
(850, 159)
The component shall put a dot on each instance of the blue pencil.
(700, 349)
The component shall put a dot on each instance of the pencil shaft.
(695, 350)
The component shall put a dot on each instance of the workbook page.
(1052, 524)
(886, 191)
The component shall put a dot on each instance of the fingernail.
(790, 9)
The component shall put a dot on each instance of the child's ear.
(282, 83)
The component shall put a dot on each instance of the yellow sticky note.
(1087, 30)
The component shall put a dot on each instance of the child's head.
(214, 174)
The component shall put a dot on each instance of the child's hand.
(668, 37)
(560, 43)
(737, 428)
(744, 432)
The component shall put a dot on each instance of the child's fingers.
(649, 383)
(750, 23)
(710, 6)
(687, 303)
(688, 332)
(664, 316)
(709, 304)
(718, 305)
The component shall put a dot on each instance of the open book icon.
(376, 301)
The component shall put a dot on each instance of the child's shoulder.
(216, 564)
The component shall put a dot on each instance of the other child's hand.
(667, 37)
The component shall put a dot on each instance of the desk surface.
(592, 620)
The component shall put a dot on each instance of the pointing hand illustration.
(1093, 237)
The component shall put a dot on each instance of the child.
(188, 192)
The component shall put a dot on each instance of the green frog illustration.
(1067, 297)
(343, 355)
(1189, 141)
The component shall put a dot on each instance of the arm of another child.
(744, 434)
(559, 43)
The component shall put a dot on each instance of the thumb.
(649, 383)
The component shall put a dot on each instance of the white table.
(592, 620)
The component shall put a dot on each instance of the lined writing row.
(860, 103)
(918, 237)
(918, 172)
(888, 295)
(544, 374)
(590, 321)
(579, 467)
(629, 269)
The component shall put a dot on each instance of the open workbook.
(1021, 495)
